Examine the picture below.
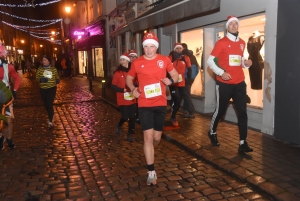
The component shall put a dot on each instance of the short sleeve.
(132, 71)
(217, 49)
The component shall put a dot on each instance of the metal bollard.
(103, 88)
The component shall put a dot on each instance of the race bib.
(235, 60)
(128, 96)
(47, 74)
(179, 78)
(152, 90)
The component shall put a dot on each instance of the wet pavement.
(83, 159)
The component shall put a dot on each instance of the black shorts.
(152, 117)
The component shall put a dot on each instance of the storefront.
(200, 27)
(90, 52)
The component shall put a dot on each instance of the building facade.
(199, 24)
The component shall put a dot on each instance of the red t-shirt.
(181, 66)
(119, 79)
(149, 73)
(229, 56)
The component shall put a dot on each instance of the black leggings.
(48, 96)
(128, 112)
(238, 94)
(176, 93)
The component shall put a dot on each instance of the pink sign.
(78, 33)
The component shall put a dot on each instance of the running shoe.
(50, 125)
(151, 178)
(118, 130)
(174, 122)
(10, 144)
(2, 139)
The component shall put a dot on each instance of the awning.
(91, 42)
(174, 11)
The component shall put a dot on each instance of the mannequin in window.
(254, 45)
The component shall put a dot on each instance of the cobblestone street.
(83, 159)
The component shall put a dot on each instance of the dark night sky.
(47, 12)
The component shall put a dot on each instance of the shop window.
(251, 30)
(98, 62)
(82, 62)
(194, 41)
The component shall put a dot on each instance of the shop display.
(254, 46)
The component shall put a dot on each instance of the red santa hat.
(177, 45)
(125, 56)
(3, 51)
(150, 38)
(230, 19)
(132, 53)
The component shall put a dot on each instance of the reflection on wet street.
(82, 158)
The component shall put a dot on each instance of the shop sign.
(143, 7)
(78, 33)
(130, 15)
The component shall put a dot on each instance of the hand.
(136, 92)
(248, 63)
(14, 93)
(226, 76)
(166, 81)
(57, 81)
(43, 79)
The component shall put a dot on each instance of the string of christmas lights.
(28, 27)
(29, 4)
(32, 20)
(30, 32)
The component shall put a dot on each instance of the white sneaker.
(50, 125)
(151, 178)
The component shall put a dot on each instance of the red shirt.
(149, 73)
(181, 66)
(119, 79)
(11, 73)
(229, 56)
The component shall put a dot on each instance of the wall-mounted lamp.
(68, 9)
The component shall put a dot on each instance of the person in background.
(48, 78)
(7, 71)
(180, 62)
(188, 105)
(132, 56)
(28, 67)
(125, 100)
(69, 64)
(16, 65)
(227, 62)
(23, 66)
(151, 70)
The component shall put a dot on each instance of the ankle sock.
(150, 167)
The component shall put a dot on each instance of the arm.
(118, 89)
(130, 84)
(174, 77)
(246, 63)
(214, 66)
(188, 65)
(15, 76)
